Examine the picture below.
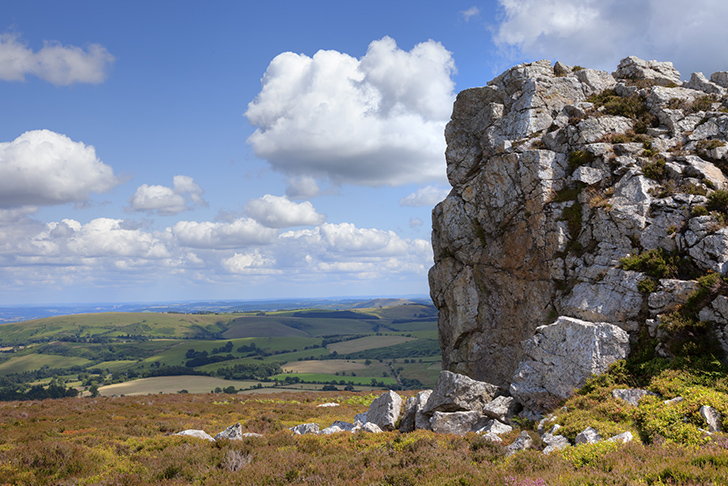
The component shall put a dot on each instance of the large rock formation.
(557, 175)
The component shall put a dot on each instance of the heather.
(126, 441)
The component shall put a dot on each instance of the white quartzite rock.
(234, 432)
(522, 442)
(303, 429)
(413, 417)
(454, 392)
(455, 422)
(712, 418)
(385, 410)
(588, 436)
(561, 356)
(501, 408)
(631, 395)
(200, 434)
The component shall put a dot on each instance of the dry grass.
(124, 441)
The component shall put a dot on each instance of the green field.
(369, 342)
(311, 345)
(36, 361)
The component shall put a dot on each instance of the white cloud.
(598, 33)
(250, 263)
(279, 212)
(166, 200)
(55, 63)
(302, 187)
(470, 13)
(425, 196)
(415, 222)
(240, 233)
(374, 121)
(42, 167)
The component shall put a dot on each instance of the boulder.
(522, 442)
(712, 418)
(455, 422)
(455, 392)
(385, 410)
(494, 427)
(554, 442)
(303, 429)
(561, 356)
(501, 408)
(631, 395)
(588, 436)
(661, 73)
(200, 434)
(624, 437)
(369, 427)
(234, 432)
(413, 416)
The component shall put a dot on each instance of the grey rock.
(501, 408)
(522, 442)
(338, 426)
(624, 437)
(369, 427)
(385, 410)
(454, 392)
(200, 434)
(588, 436)
(699, 82)
(673, 401)
(631, 395)
(712, 418)
(662, 73)
(455, 422)
(303, 429)
(251, 434)
(234, 432)
(413, 416)
(554, 442)
(561, 356)
(495, 427)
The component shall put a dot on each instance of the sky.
(197, 150)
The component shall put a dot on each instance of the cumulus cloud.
(373, 121)
(253, 262)
(240, 233)
(469, 13)
(425, 196)
(55, 63)
(302, 187)
(598, 33)
(42, 167)
(279, 212)
(168, 200)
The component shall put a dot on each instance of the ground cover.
(21, 364)
(124, 440)
(325, 366)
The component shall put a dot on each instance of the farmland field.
(325, 366)
(369, 342)
(35, 361)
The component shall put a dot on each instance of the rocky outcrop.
(567, 186)
(561, 356)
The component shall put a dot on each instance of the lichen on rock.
(558, 176)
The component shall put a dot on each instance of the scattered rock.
(454, 392)
(371, 428)
(588, 436)
(455, 422)
(554, 442)
(200, 434)
(631, 395)
(303, 429)
(501, 408)
(385, 410)
(495, 427)
(413, 416)
(624, 437)
(234, 432)
(330, 404)
(712, 418)
(522, 442)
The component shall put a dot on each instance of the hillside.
(259, 351)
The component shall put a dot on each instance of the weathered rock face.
(559, 174)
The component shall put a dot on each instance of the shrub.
(656, 263)
(655, 170)
(578, 158)
(718, 201)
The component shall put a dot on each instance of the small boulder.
(522, 442)
(385, 410)
(624, 437)
(661, 73)
(303, 429)
(413, 418)
(457, 393)
(501, 408)
(554, 442)
(326, 405)
(494, 427)
(369, 427)
(588, 436)
(712, 418)
(455, 422)
(631, 395)
(234, 432)
(200, 434)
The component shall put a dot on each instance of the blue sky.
(176, 150)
